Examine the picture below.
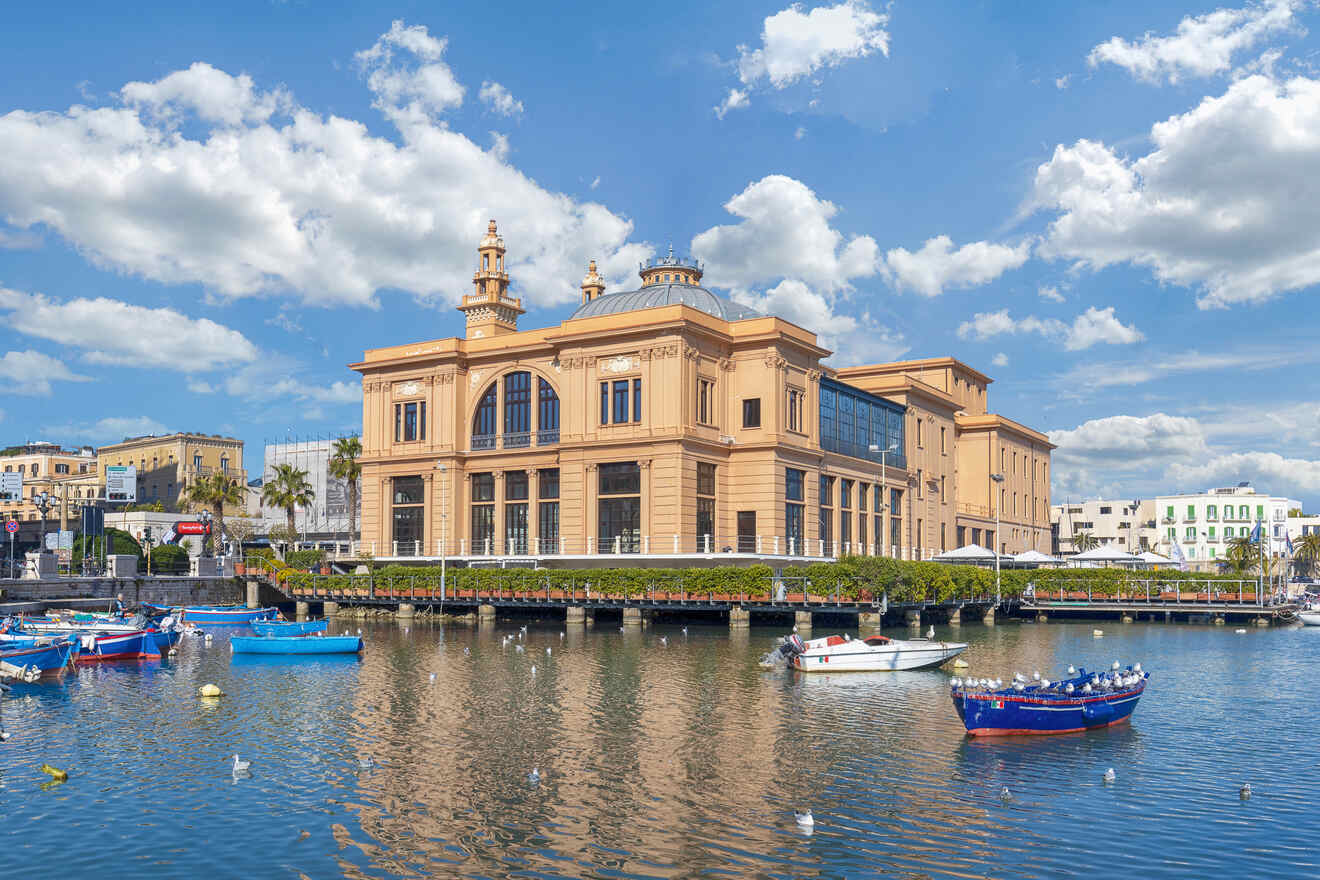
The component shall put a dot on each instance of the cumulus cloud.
(734, 100)
(1131, 440)
(499, 99)
(1049, 293)
(204, 177)
(111, 331)
(107, 430)
(795, 44)
(1000, 360)
(276, 376)
(31, 372)
(853, 339)
(784, 232)
(1267, 471)
(938, 265)
(1227, 201)
(1203, 45)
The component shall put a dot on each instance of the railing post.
(676, 543)
(487, 546)
(588, 545)
(706, 539)
(646, 544)
(776, 545)
(394, 547)
(821, 548)
(618, 544)
(562, 545)
(417, 548)
(758, 545)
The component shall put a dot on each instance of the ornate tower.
(490, 310)
(671, 270)
(592, 285)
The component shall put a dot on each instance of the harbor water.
(678, 757)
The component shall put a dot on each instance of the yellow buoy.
(960, 664)
(54, 772)
(209, 690)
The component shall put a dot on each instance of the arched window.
(517, 410)
(547, 414)
(483, 423)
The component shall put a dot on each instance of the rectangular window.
(827, 512)
(845, 493)
(861, 531)
(515, 528)
(896, 519)
(1212, 512)
(408, 514)
(962, 536)
(1189, 532)
(1191, 511)
(548, 532)
(1212, 533)
(483, 529)
(921, 484)
(793, 527)
(604, 403)
(706, 525)
(944, 441)
(794, 481)
(1169, 512)
(794, 410)
(408, 490)
(705, 478)
(547, 482)
(861, 496)
(752, 412)
(920, 432)
(705, 401)
(637, 400)
(515, 485)
(619, 478)
(409, 422)
(1260, 512)
(483, 487)
(621, 401)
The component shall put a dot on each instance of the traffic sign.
(11, 526)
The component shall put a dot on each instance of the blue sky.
(1111, 209)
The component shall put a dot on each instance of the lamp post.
(884, 489)
(44, 502)
(997, 478)
(146, 539)
(444, 519)
(205, 517)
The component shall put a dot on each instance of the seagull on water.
(432, 678)
(1110, 775)
(467, 652)
(685, 630)
(518, 648)
(561, 634)
(664, 640)
(241, 766)
(804, 819)
(367, 762)
(535, 776)
(1245, 791)
(547, 652)
(1005, 794)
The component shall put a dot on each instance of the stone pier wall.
(157, 590)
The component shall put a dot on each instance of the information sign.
(121, 483)
(11, 486)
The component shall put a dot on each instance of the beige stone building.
(68, 477)
(666, 420)
(168, 463)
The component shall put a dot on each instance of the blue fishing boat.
(288, 628)
(1084, 701)
(51, 658)
(226, 615)
(295, 644)
(138, 645)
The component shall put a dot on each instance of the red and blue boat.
(134, 645)
(1084, 701)
(226, 615)
(49, 656)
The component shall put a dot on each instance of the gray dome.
(653, 296)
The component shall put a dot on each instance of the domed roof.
(653, 296)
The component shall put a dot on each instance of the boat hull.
(1010, 714)
(225, 615)
(1310, 618)
(140, 645)
(50, 659)
(281, 628)
(295, 644)
(893, 656)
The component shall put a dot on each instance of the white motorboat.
(871, 654)
(1309, 614)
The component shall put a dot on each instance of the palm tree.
(1306, 553)
(288, 488)
(1083, 541)
(344, 465)
(213, 492)
(1241, 554)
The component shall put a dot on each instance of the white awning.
(970, 553)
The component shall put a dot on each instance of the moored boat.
(138, 645)
(1085, 701)
(288, 628)
(226, 615)
(50, 658)
(312, 644)
(1309, 613)
(872, 654)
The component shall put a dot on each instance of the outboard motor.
(789, 646)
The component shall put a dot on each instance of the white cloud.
(31, 372)
(1049, 293)
(499, 99)
(275, 377)
(595, 182)
(999, 360)
(1098, 375)
(800, 133)
(197, 386)
(107, 430)
(114, 332)
(795, 44)
(1061, 82)
(195, 182)
(1267, 471)
(734, 100)
(784, 232)
(853, 339)
(22, 240)
(938, 265)
(1203, 45)
(1131, 440)
(1227, 201)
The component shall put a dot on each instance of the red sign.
(192, 528)
(11, 526)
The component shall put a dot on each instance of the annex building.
(668, 420)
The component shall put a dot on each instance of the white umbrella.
(1104, 554)
(1035, 557)
(1154, 558)
(970, 553)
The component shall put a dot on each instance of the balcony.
(514, 440)
(517, 440)
(547, 437)
(1167, 520)
(483, 441)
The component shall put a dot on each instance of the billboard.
(120, 483)
(11, 486)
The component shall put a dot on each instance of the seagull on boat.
(1086, 688)
(1017, 676)
(955, 682)
(1068, 688)
(1044, 682)
(1136, 667)
(241, 766)
(1019, 686)
(804, 819)
(1036, 675)
(1245, 791)
(1110, 775)
(535, 776)
(1072, 670)
(930, 633)
(1115, 667)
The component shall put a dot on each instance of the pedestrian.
(119, 605)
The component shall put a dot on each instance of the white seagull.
(241, 766)
(535, 776)
(804, 819)
(1110, 775)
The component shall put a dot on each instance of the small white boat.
(871, 654)
(1309, 614)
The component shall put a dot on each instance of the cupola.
(489, 309)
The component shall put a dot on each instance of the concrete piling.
(253, 594)
(989, 618)
(739, 618)
(632, 617)
(869, 620)
(913, 619)
(407, 611)
(329, 609)
(486, 612)
(301, 610)
(802, 620)
(955, 617)
(575, 616)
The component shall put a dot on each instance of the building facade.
(1204, 523)
(327, 517)
(69, 478)
(168, 463)
(1128, 524)
(664, 420)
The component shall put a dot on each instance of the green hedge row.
(856, 578)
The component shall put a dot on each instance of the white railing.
(527, 545)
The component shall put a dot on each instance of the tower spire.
(592, 285)
(489, 309)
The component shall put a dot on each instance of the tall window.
(861, 517)
(1212, 512)
(547, 413)
(547, 489)
(706, 506)
(845, 513)
(752, 412)
(620, 401)
(614, 406)
(795, 410)
(483, 513)
(408, 497)
(197, 465)
(515, 512)
(620, 507)
(637, 400)
(944, 440)
(920, 440)
(705, 401)
(794, 488)
(483, 422)
(517, 410)
(410, 421)
(896, 520)
(827, 512)
(878, 520)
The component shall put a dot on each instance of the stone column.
(913, 619)
(329, 609)
(802, 620)
(497, 546)
(253, 594)
(486, 612)
(989, 618)
(869, 620)
(632, 617)
(575, 616)
(739, 617)
(301, 610)
(1126, 617)
(406, 611)
(533, 511)
(1042, 617)
(955, 617)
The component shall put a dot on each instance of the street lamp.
(205, 517)
(44, 502)
(444, 519)
(884, 491)
(998, 478)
